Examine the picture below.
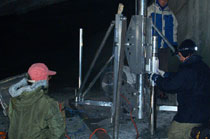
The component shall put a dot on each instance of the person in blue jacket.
(192, 84)
(163, 18)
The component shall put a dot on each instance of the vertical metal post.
(140, 77)
(155, 61)
(119, 40)
(155, 65)
(136, 7)
(140, 84)
(77, 97)
(143, 7)
(155, 19)
(153, 112)
(80, 56)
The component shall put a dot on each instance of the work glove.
(153, 77)
(163, 73)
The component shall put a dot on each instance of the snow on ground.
(78, 129)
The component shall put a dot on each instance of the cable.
(137, 136)
(96, 131)
(67, 136)
(3, 135)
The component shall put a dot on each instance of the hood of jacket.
(24, 94)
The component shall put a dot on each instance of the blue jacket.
(192, 85)
(165, 21)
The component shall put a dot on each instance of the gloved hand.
(161, 72)
(153, 77)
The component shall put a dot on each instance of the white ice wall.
(194, 22)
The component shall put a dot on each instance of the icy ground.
(100, 116)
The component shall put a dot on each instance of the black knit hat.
(187, 47)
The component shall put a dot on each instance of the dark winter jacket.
(192, 85)
(33, 114)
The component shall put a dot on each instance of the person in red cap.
(39, 71)
(32, 113)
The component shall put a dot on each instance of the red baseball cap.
(39, 71)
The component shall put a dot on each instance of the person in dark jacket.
(192, 84)
(32, 113)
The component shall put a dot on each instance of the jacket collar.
(192, 59)
(165, 8)
(24, 95)
(23, 86)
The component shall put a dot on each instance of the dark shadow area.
(51, 35)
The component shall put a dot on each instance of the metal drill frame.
(143, 43)
(120, 28)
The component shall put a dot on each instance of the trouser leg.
(180, 130)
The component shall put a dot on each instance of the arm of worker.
(56, 122)
(164, 74)
(179, 81)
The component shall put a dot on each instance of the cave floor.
(82, 120)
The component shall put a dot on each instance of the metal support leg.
(95, 58)
(97, 76)
(140, 77)
(140, 87)
(155, 66)
(120, 29)
(153, 111)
